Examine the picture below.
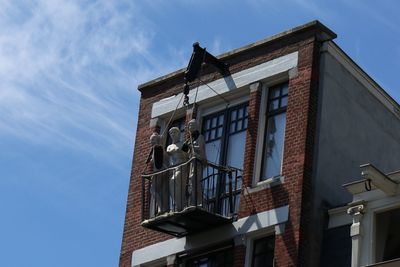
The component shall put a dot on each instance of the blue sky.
(68, 101)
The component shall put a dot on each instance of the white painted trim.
(260, 136)
(374, 201)
(250, 243)
(262, 127)
(362, 77)
(339, 217)
(231, 83)
(379, 179)
(216, 106)
(271, 182)
(244, 226)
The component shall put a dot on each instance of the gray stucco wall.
(353, 128)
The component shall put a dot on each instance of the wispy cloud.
(69, 72)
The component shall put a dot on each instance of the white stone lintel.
(240, 228)
(230, 83)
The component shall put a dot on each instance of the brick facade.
(291, 246)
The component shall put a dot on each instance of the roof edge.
(325, 35)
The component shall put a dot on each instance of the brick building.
(283, 131)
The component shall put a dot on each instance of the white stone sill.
(271, 182)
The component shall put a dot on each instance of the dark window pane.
(285, 89)
(220, 120)
(273, 105)
(233, 115)
(240, 125)
(222, 258)
(275, 92)
(284, 101)
(208, 124)
(233, 127)
(263, 252)
(212, 136)
(387, 235)
(220, 130)
(214, 122)
(240, 113)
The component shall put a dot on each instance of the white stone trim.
(271, 182)
(379, 179)
(364, 208)
(227, 84)
(338, 217)
(244, 226)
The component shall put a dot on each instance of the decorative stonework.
(357, 213)
(255, 87)
(356, 210)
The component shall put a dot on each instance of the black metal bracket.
(200, 56)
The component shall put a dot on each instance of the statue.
(159, 185)
(196, 148)
(179, 174)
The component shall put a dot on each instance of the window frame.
(264, 115)
(226, 112)
(264, 233)
(258, 240)
(227, 247)
(376, 211)
(226, 128)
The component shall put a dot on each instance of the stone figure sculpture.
(159, 186)
(196, 148)
(179, 174)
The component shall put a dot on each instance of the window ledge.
(271, 182)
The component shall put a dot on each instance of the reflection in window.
(225, 137)
(275, 132)
(387, 235)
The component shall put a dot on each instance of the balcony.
(190, 197)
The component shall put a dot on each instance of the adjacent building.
(284, 128)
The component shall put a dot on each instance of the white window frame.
(257, 183)
(250, 238)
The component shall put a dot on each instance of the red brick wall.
(239, 256)
(297, 160)
(296, 163)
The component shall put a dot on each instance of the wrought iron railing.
(194, 183)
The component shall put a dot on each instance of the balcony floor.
(190, 220)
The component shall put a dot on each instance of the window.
(274, 136)
(263, 252)
(226, 149)
(225, 137)
(221, 258)
(387, 235)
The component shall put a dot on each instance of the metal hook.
(367, 184)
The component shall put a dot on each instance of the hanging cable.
(253, 211)
(212, 89)
(172, 116)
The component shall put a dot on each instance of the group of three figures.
(181, 185)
